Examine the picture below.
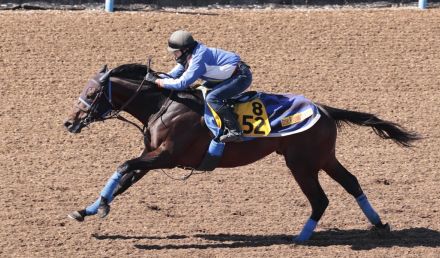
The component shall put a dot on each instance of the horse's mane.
(130, 71)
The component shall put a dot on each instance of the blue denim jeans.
(229, 88)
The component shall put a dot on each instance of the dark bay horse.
(175, 136)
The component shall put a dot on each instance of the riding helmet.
(180, 40)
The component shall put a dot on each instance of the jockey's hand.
(150, 77)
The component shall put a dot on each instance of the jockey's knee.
(214, 103)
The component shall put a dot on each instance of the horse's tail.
(385, 129)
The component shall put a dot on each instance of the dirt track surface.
(379, 61)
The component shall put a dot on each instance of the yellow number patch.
(253, 118)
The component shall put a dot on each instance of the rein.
(162, 110)
(115, 114)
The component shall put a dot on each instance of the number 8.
(257, 108)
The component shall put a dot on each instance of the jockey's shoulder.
(200, 49)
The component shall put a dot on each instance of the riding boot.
(233, 130)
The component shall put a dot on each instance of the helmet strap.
(183, 58)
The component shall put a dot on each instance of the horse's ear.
(103, 69)
(105, 77)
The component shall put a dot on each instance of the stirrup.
(231, 137)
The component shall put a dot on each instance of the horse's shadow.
(357, 239)
(367, 240)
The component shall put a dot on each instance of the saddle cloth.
(267, 115)
(259, 115)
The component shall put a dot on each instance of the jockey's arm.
(195, 70)
(176, 72)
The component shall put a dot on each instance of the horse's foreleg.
(106, 196)
(121, 180)
(350, 183)
(151, 160)
(131, 177)
(128, 180)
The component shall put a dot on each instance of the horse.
(175, 136)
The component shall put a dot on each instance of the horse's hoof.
(381, 230)
(103, 210)
(298, 241)
(76, 215)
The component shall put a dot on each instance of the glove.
(150, 77)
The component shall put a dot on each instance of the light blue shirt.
(209, 64)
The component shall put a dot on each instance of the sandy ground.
(383, 61)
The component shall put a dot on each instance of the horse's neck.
(144, 105)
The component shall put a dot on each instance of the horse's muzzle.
(72, 127)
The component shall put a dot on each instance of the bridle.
(91, 110)
(92, 107)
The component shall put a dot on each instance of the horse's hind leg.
(350, 183)
(309, 184)
(305, 173)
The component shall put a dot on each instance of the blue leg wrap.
(92, 209)
(110, 187)
(307, 231)
(365, 205)
(107, 193)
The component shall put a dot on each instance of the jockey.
(223, 72)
